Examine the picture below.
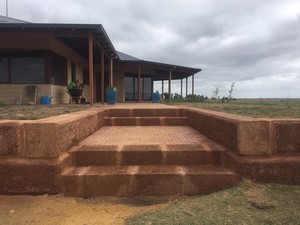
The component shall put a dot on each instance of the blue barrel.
(155, 97)
(111, 95)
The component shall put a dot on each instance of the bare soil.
(60, 210)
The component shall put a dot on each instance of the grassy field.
(259, 108)
(246, 204)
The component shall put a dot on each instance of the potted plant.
(74, 89)
(111, 94)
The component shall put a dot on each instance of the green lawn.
(265, 108)
(246, 204)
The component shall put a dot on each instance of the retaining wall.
(247, 135)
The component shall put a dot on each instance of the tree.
(231, 90)
(215, 93)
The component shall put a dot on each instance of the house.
(50, 56)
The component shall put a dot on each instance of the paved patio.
(150, 135)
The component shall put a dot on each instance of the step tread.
(149, 147)
(143, 117)
(147, 169)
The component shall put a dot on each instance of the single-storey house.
(50, 56)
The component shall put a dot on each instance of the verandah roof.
(161, 70)
(76, 37)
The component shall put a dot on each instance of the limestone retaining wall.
(247, 135)
(48, 137)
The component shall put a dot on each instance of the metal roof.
(161, 70)
(126, 57)
(4, 19)
(75, 36)
(68, 33)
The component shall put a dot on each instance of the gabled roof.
(4, 19)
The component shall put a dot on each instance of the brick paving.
(149, 135)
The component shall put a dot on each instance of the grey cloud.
(251, 42)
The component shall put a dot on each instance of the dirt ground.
(58, 210)
(34, 112)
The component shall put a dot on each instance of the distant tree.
(231, 90)
(215, 93)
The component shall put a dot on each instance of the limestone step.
(146, 112)
(145, 180)
(146, 121)
(109, 155)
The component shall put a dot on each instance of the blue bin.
(45, 100)
(155, 97)
(111, 95)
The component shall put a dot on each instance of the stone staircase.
(96, 169)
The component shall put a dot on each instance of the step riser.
(146, 112)
(111, 158)
(146, 184)
(146, 121)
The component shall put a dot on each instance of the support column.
(181, 88)
(162, 89)
(91, 70)
(111, 73)
(170, 78)
(186, 87)
(193, 86)
(139, 84)
(102, 77)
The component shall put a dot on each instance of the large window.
(22, 67)
(131, 88)
(3, 69)
(27, 70)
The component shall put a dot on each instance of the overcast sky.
(254, 43)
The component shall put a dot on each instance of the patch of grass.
(3, 105)
(253, 108)
(247, 204)
(34, 112)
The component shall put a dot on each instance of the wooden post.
(170, 78)
(181, 88)
(91, 70)
(111, 72)
(162, 89)
(139, 84)
(193, 86)
(102, 77)
(186, 87)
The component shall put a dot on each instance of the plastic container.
(45, 100)
(111, 94)
(155, 97)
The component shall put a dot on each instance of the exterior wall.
(59, 94)
(9, 93)
(60, 48)
(118, 80)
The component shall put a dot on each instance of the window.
(59, 70)
(3, 69)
